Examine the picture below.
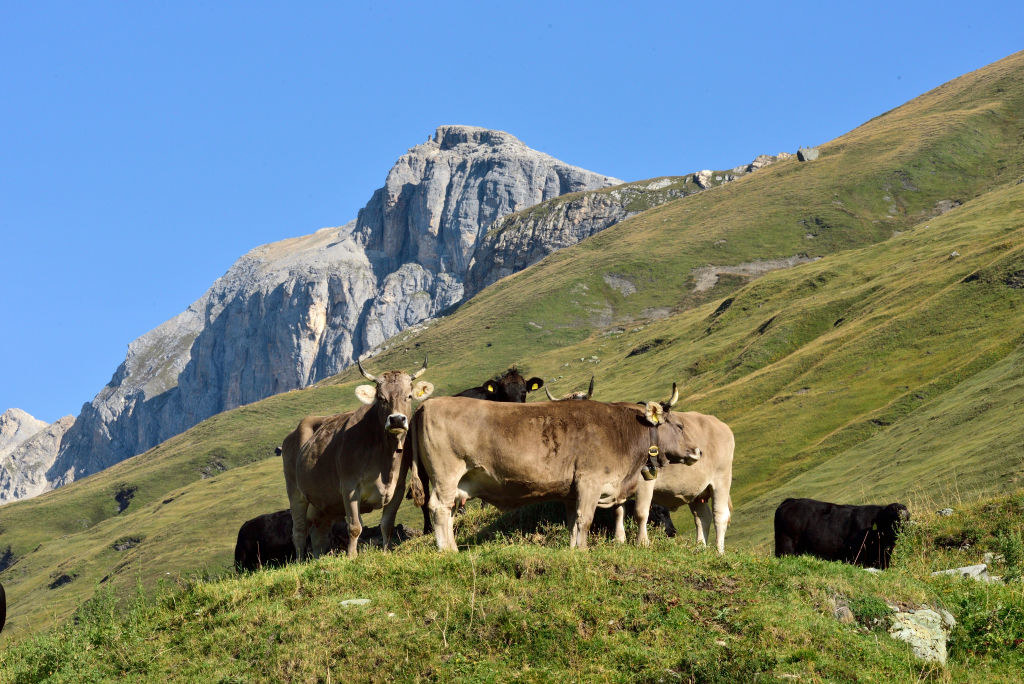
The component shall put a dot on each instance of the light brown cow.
(574, 396)
(584, 453)
(353, 463)
(707, 478)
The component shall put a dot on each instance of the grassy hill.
(889, 369)
(521, 606)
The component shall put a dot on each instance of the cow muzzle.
(396, 422)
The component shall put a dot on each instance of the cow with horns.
(571, 396)
(583, 453)
(352, 463)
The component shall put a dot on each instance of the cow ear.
(653, 412)
(366, 393)
(535, 383)
(422, 390)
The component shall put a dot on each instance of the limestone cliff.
(25, 462)
(293, 312)
(15, 427)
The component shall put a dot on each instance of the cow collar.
(650, 469)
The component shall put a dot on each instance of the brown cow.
(353, 463)
(574, 396)
(584, 453)
(708, 477)
(691, 482)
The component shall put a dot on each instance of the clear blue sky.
(146, 146)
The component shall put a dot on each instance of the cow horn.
(675, 396)
(421, 370)
(365, 374)
(590, 392)
(550, 398)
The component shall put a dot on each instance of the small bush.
(870, 611)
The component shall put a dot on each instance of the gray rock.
(703, 178)
(945, 512)
(806, 154)
(348, 603)
(23, 471)
(925, 630)
(760, 161)
(16, 426)
(844, 614)
(706, 277)
(978, 572)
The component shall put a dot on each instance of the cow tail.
(419, 497)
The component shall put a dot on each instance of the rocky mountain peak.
(15, 427)
(450, 136)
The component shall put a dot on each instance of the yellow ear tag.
(534, 386)
(490, 388)
(419, 393)
(874, 526)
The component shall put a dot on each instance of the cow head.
(670, 443)
(511, 386)
(392, 395)
(891, 518)
(881, 539)
(574, 396)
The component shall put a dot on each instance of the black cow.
(266, 540)
(604, 518)
(860, 535)
(509, 386)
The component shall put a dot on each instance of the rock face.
(524, 238)
(23, 470)
(293, 312)
(15, 427)
(925, 630)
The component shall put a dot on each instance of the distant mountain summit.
(15, 427)
(290, 313)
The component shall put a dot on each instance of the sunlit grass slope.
(889, 369)
(519, 605)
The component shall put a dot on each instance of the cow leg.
(428, 526)
(701, 519)
(570, 521)
(441, 518)
(586, 504)
(320, 535)
(355, 525)
(644, 497)
(620, 524)
(300, 526)
(387, 521)
(721, 505)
